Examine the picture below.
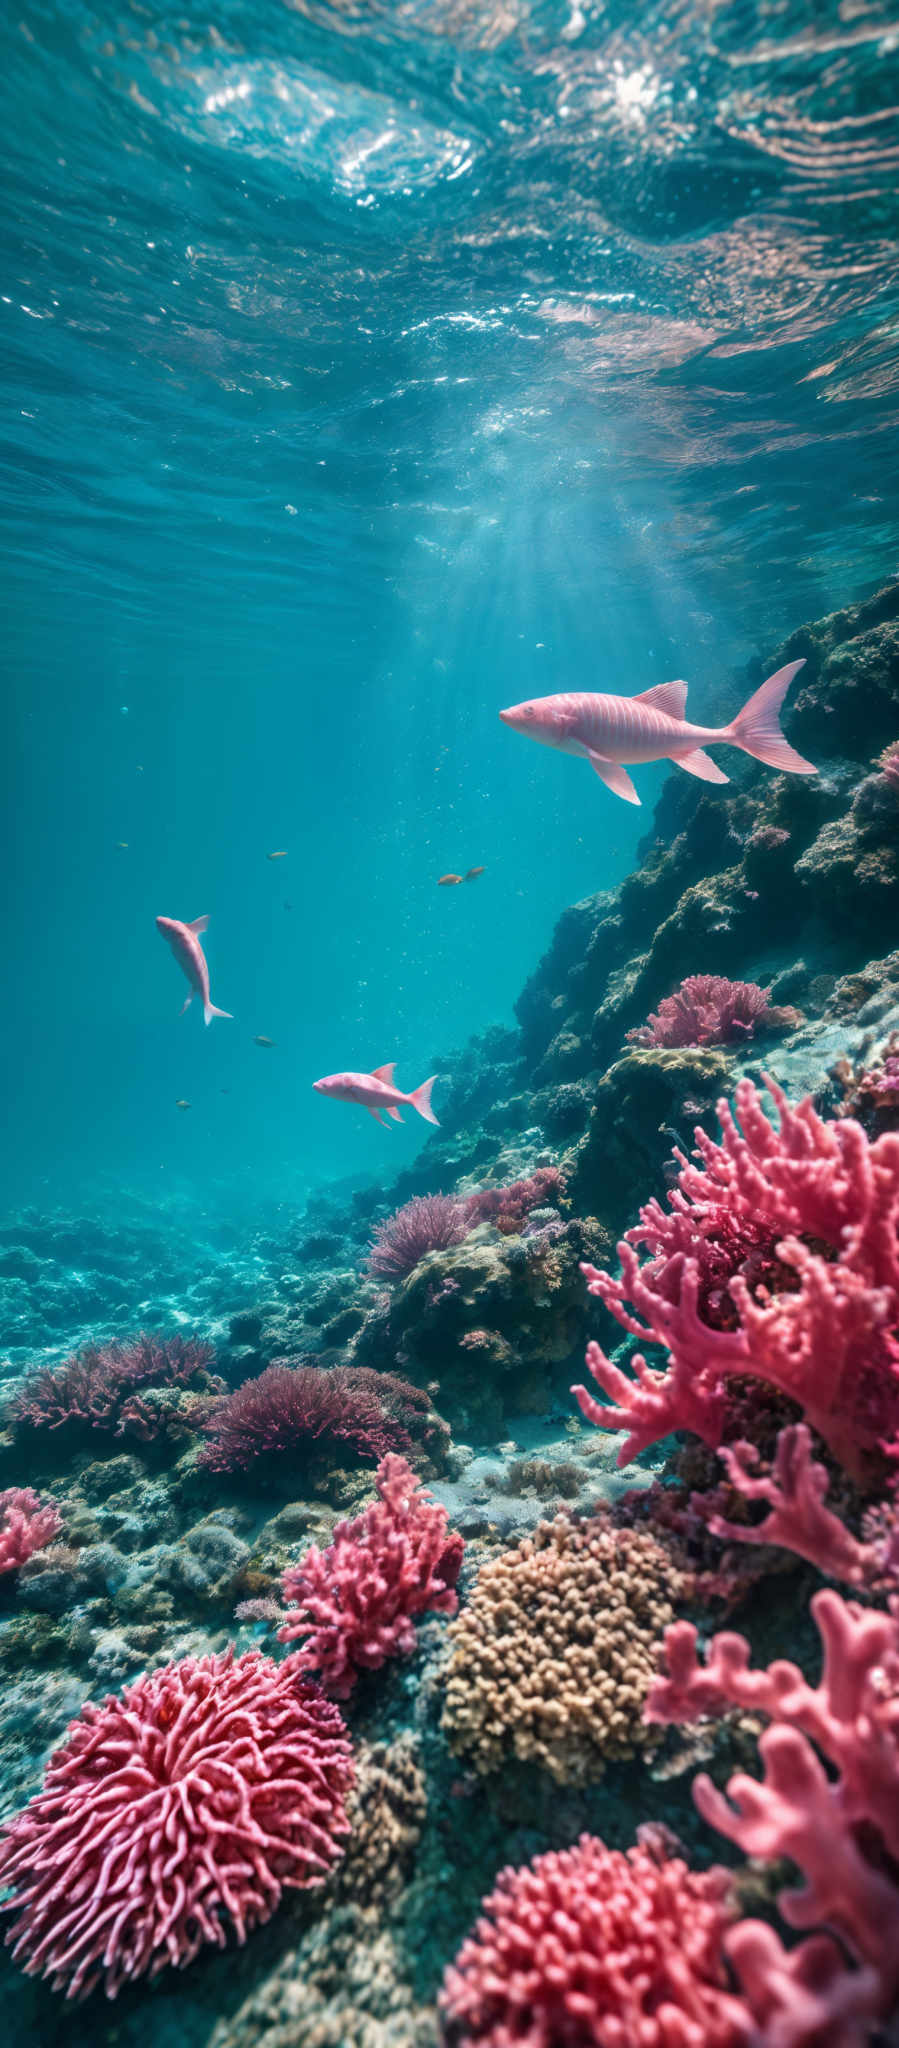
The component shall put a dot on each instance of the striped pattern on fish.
(611, 731)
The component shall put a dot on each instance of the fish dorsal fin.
(198, 925)
(384, 1073)
(670, 697)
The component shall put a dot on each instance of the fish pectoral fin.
(394, 1112)
(670, 697)
(198, 925)
(384, 1073)
(186, 1003)
(377, 1117)
(614, 776)
(700, 764)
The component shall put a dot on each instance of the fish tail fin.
(420, 1099)
(210, 1011)
(757, 727)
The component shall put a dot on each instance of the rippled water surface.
(366, 366)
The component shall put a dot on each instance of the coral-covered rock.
(176, 1814)
(352, 1606)
(98, 1386)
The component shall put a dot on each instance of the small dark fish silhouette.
(448, 881)
(263, 1041)
(472, 874)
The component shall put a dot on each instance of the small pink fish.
(609, 731)
(184, 940)
(376, 1091)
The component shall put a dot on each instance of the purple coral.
(291, 1407)
(889, 765)
(94, 1386)
(707, 1009)
(429, 1223)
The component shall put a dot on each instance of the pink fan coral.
(25, 1526)
(598, 1945)
(707, 1009)
(93, 1386)
(291, 1407)
(428, 1223)
(353, 1604)
(830, 1200)
(829, 1801)
(176, 1813)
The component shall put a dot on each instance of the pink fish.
(608, 731)
(184, 940)
(376, 1091)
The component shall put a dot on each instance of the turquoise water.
(367, 369)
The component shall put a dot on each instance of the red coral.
(830, 1200)
(509, 1207)
(93, 1385)
(25, 1526)
(177, 1812)
(291, 1407)
(355, 1602)
(707, 1009)
(598, 1945)
(889, 765)
(428, 1223)
(829, 1801)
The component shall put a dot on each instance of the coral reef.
(26, 1525)
(508, 1208)
(708, 1009)
(352, 1606)
(97, 1387)
(555, 1650)
(175, 1815)
(598, 1945)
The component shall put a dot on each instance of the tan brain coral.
(555, 1652)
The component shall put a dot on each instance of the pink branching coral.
(798, 1519)
(889, 765)
(94, 1385)
(428, 1223)
(598, 1945)
(25, 1526)
(707, 1009)
(290, 1408)
(509, 1207)
(828, 1200)
(829, 1801)
(176, 1813)
(353, 1605)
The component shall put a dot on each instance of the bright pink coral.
(292, 1407)
(824, 1333)
(597, 1945)
(829, 1802)
(177, 1812)
(707, 1009)
(25, 1526)
(428, 1223)
(93, 1386)
(353, 1605)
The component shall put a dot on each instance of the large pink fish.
(376, 1091)
(184, 940)
(609, 731)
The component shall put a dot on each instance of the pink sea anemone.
(598, 1945)
(353, 1605)
(707, 1009)
(176, 1813)
(26, 1525)
(291, 1408)
(429, 1223)
(94, 1385)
